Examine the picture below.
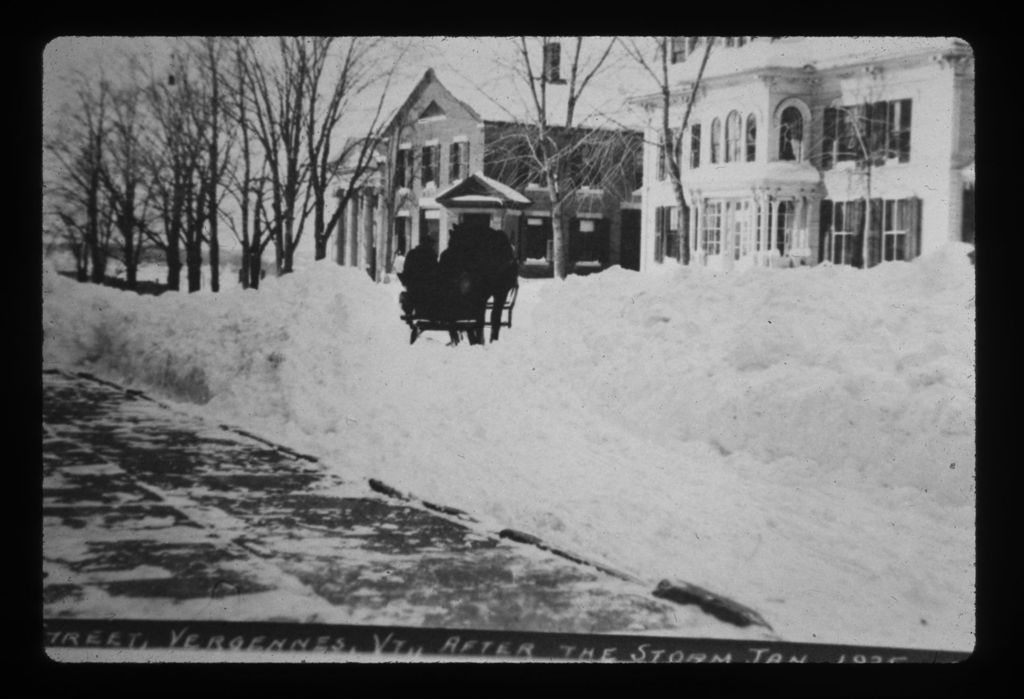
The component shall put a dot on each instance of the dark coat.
(420, 278)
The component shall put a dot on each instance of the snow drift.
(800, 440)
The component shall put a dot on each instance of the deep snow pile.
(800, 440)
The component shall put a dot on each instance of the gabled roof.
(478, 190)
(429, 77)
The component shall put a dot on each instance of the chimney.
(552, 58)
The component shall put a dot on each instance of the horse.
(480, 264)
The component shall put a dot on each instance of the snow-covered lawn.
(800, 440)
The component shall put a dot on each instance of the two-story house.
(804, 150)
(436, 140)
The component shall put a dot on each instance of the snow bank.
(801, 440)
(868, 372)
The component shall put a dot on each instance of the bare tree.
(211, 55)
(551, 148)
(123, 172)
(278, 102)
(78, 151)
(364, 62)
(656, 64)
(174, 159)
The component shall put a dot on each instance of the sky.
(471, 64)
(478, 70)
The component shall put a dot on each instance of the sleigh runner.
(420, 323)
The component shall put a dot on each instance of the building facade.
(805, 150)
(436, 140)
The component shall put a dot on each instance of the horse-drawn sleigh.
(476, 278)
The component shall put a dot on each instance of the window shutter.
(875, 233)
(659, 234)
(913, 227)
(695, 146)
(904, 126)
(858, 232)
(751, 138)
(828, 139)
(601, 236)
(825, 231)
(453, 162)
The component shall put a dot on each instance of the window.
(458, 161)
(402, 163)
(538, 235)
(751, 138)
(784, 227)
(695, 146)
(666, 228)
(742, 229)
(733, 145)
(791, 134)
(711, 240)
(899, 130)
(876, 117)
(400, 235)
(850, 133)
(894, 230)
(586, 246)
(552, 59)
(875, 132)
(692, 42)
(842, 227)
(716, 141)
(429, 164)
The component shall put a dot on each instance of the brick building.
(436, 140)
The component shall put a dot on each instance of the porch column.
(442, 229)
(352, 236)
(800, 225)
(772, 227)
(698, 240)
(339, 238)
(728, 235)
(692, 223)
(762, 233)
(366, 249)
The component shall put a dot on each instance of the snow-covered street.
(799, 440)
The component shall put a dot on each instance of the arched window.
(751, 138)
(791, 134)
(716, 141)
(732, 138)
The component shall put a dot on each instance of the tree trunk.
(319, 234)
(131, 268)
(243, 273)
(194, 263)
(173, 254)
(214, 259)
(557, 237)
(92, 237)
(255, 267)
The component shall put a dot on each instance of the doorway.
(629, 245)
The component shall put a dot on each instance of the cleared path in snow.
(149, 513)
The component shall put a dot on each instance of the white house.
(802, 150)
